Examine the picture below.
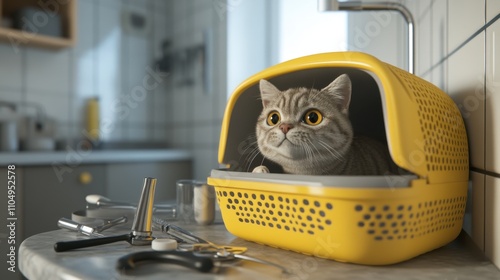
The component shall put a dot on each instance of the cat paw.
(261, 169)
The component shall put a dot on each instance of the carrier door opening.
(365, 112)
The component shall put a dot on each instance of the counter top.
(38, 260)
(92, 156)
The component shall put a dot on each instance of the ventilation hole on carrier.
(358, 208)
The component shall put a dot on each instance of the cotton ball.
(261, 169)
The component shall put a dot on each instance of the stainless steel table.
(38, 260)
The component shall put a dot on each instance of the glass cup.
(195, 202)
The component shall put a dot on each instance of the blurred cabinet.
(49, 194)
(37, 17)
(125, 180)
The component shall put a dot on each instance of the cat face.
(305, 128)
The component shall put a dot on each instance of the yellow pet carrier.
(372, 220)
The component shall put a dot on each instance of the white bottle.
(204, 204)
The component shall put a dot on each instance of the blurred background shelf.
(46, 24)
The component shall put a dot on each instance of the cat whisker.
(331, 150)
(311, 154)
(255, 152)
(249, 150)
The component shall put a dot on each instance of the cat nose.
(285, 127)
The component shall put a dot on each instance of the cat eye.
(273, 118)
(312, 117)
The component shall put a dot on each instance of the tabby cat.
(308, 131)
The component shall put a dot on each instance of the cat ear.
(268, 92)
(340, 90)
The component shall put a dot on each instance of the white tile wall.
(439, 43)
(381, 33)
(492, 220)
(474, 217)
(492, 9)
(48, 71)
(110, 63)
(83, 53)
(466, 67)
(464, 18)
(196, 115)
(106, 62)
(11, 67)
(422, 17)
(466, 86)
(493, 97)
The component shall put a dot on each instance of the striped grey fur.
(327, 148)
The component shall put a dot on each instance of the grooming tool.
(99, 200)
(89, 230)
(96, 201)
(142, 226)
(199, 257)
(77, 244)
(180, 234)
(141, 233)
(228, 253)
(211, 247)
(186, 259)
(188, 239)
